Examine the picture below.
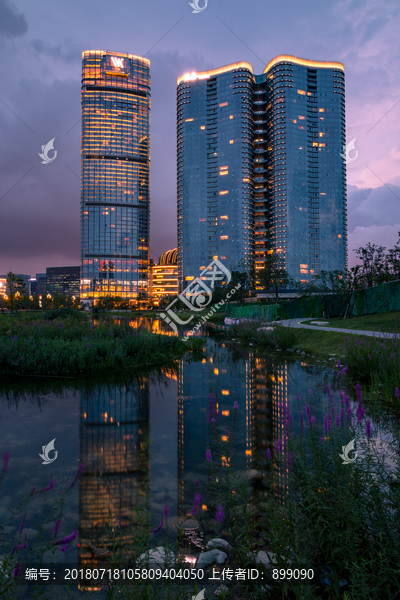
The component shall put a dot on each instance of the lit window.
(231, 116)
(187, 120)
(303, 271)
(301, 118)
(225, 392)
(203, 127)
(215, 257)
(223, 193)
(189, 278)
(321, 110)
(303, 266)
(322, 194)
(224, 217)
(309, 94)
(294, 121)
(315, 144)
(248, 452)
(301, 92)
(216, 372)
(339, 236)
(321, 134)
(223, 104)
(223, 237)
(322, 145)
(231, 141)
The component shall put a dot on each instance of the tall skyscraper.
(215, 162)
(115, 165)
(277, 137)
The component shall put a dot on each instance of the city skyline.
(41, 61)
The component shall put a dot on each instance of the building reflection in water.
(114, 424)
(265, 388)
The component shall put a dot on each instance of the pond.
(142, 438)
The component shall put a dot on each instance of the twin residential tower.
(259, 167)
(259, 170)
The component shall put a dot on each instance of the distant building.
(115, 167)
(63, 281)
(40, 284)
(164, 276)
(3, 283)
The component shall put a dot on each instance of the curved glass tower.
(215, 162)
(115, 168)
(260, 167)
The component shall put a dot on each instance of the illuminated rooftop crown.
(170, 257)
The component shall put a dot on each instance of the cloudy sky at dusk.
(40, 47)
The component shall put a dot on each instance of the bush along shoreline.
(77, 346)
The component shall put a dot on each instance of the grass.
(386, 322)
(76, 346)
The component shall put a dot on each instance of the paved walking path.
(298, 324)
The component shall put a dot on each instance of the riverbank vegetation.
(76, 346)
(385, 322)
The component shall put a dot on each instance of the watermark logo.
(45, 152)
(345, 455)
(199, 596)
(198, 294)
(46, 449)
(347, 159)
(196, 7)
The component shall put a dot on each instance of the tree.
(16, 286)
(373, 264)
(393, 260)
(274, 277)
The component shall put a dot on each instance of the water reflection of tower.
(228, 381)
(293, 387)
(113, 448)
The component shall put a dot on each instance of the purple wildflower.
(343, 371)
(235, 405)
(49, 487)
(209, 455)
(6, 459)
(156, 529)
(19, 547)
(197, 499)
(368, 429)
(17, 571)
(397, 392)
(166, 511)
(278, 446)
(310, 391)
(56, 527)
(321, 439)
(67, 540)
(269, 454)
(360, 412)
(301, 422)
(339, 364)
(308, 411)
(358, 392)
(77, 476)
(219, 517)
(313, 420)
(198, 482)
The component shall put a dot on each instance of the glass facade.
(63, 281)
(277, 138)
(115, 166)
(215, 153)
